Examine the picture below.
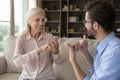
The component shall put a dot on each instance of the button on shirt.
(35, 66)
(106, 64)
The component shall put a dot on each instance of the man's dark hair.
(102, 12)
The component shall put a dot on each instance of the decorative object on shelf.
(71, 30)
(72, 19)
(53, 30)
(47, 28)
(77, 9)
(65, 8)
(45, 19)
(80, 29)
(58, 30)
(74, 7)
(118, 30)
(45, 9)
(71, 7)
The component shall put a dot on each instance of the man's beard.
(91, 33)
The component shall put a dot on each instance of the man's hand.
(72, 53)
(82, 45)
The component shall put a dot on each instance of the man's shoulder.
(115, 42)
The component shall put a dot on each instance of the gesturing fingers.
(70, 45)
(54, 46)
(71, 52)
(55, 42)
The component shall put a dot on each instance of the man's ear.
(96, 25)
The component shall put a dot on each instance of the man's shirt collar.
(102, 45)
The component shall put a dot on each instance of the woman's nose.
(40, 23)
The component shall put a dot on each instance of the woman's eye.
(37, 19)
(43, 20)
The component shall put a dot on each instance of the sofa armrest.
(3, 64)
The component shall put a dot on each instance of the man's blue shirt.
(106, 64)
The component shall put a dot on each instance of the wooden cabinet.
(75, 26)
(53, 16)
(64, 17)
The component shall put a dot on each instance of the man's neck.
(101, 36)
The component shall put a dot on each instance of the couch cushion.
(10, 76)
(8, 52)
(64, 71)
(2, 64)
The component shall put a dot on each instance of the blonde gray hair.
(31, 13)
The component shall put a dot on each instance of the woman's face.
(37, 23)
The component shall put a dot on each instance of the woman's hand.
(45, 47)
(54, 46)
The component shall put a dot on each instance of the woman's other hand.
(54, 46)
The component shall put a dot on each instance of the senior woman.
(36, 50)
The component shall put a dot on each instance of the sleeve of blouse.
(57, 58)
(20, 58)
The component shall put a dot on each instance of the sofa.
(63, 71)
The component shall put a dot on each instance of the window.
(4, 22)
(20, 14)
(11, 19)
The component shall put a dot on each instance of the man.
(99, 22)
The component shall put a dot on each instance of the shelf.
(117, 21)
(59, 12)
(76, 11)
(76, 22)
(64, 11)
(51, 0)
(117, 10)
(54, 21)
(52, 10)
(75, 33)
(55, 32)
